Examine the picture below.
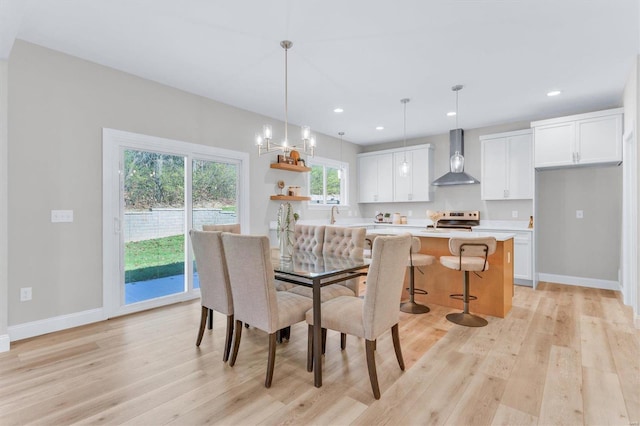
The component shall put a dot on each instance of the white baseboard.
(4, 343)
(579, 281)
(49, 325)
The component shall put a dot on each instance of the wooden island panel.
(494, 290)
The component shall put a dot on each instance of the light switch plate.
(514, 214)
(579, 214)
(59, 216)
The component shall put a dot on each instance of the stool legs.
(411, 307)
(464, 317)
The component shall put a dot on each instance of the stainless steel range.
(457, 220)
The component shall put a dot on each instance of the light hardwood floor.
(564, 355)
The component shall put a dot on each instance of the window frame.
(344, 181)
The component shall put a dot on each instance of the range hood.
(456, 144)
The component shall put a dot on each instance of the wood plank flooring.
(564, 355)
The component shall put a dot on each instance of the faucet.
(333, 218)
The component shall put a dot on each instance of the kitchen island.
(494, 287)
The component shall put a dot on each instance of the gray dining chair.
(378, 312)
(215, 290)
(255, 299)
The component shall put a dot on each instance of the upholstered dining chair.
(378, 312)
(255, 299)
(307, 239)
(230, 227)
(215, 292)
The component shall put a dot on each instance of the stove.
(457, 220)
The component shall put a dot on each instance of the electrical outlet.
(579, 214)
(25, 294)
(409, 213)
(514, 214)
(61, 216)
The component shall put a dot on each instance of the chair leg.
(203, 321)
(271, 361)
(228, 338)
(371, 365)
(210, 319)
(236, 342)
(411, 307)
(464, 317)
(396, 345)
(310, 349)
(343, 341)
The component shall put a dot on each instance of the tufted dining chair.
(255, 299)
(378, 312)
(215, 292)
(307, 239)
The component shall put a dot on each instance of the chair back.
(308, 238)
(252, 280)
(479, 247)
(215, 290)
(342, 241)
(232, 227)
(385, 280)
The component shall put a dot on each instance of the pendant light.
(457, 160)
(404, 166)
(340, 170)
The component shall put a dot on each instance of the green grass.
(157, 258)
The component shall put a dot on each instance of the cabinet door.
(522, 256)
(368, 179)
(403, 185)
(493, 162)
(599, 140)
(520, 173)
(385, 177)
(421, 164)
(554, 145)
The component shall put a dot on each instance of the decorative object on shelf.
(285, 231)
(295, 156)
(302, 163)
(404, 166)
(281, 186)
(282, 158)
(264, 140)
(530, 222)
(294, 191)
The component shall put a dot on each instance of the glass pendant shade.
(404, 168)
(457, 162)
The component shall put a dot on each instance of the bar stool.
(469, 254)
(416, 259)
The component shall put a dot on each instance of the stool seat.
(416, 259)
(468, 263)
(469, 254)
(420, 259)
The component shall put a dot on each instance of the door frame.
(113, 143)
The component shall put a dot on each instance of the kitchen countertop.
(499, 236)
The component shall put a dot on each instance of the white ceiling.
(361, 55)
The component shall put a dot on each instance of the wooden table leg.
(317, 335)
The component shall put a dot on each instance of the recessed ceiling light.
(451, 113)
(338, 110)
(380, 128)
(554, 93)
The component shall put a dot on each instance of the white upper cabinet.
(507, 166)
(375, 178)
(578, 140)
(379, 179)
(416, 185)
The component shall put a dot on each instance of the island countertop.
(441, 233)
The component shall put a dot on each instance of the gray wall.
(58, 107)
(588, 247)
(4, 276)
(459, 197)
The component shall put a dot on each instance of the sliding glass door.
(155, 191)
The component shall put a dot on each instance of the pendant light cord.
(286, 97)
(404, 101)
(457, 108)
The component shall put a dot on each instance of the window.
(328, 182)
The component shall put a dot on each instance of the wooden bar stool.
(416, 259)
(469, 254)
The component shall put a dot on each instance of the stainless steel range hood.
(456, 144)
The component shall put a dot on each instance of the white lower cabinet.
(522, 256)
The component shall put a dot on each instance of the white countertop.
(499, 236)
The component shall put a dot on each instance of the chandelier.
(264, 140)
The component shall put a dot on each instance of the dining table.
(316, 271)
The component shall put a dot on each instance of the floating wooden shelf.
(289, 198)
(290, 167)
